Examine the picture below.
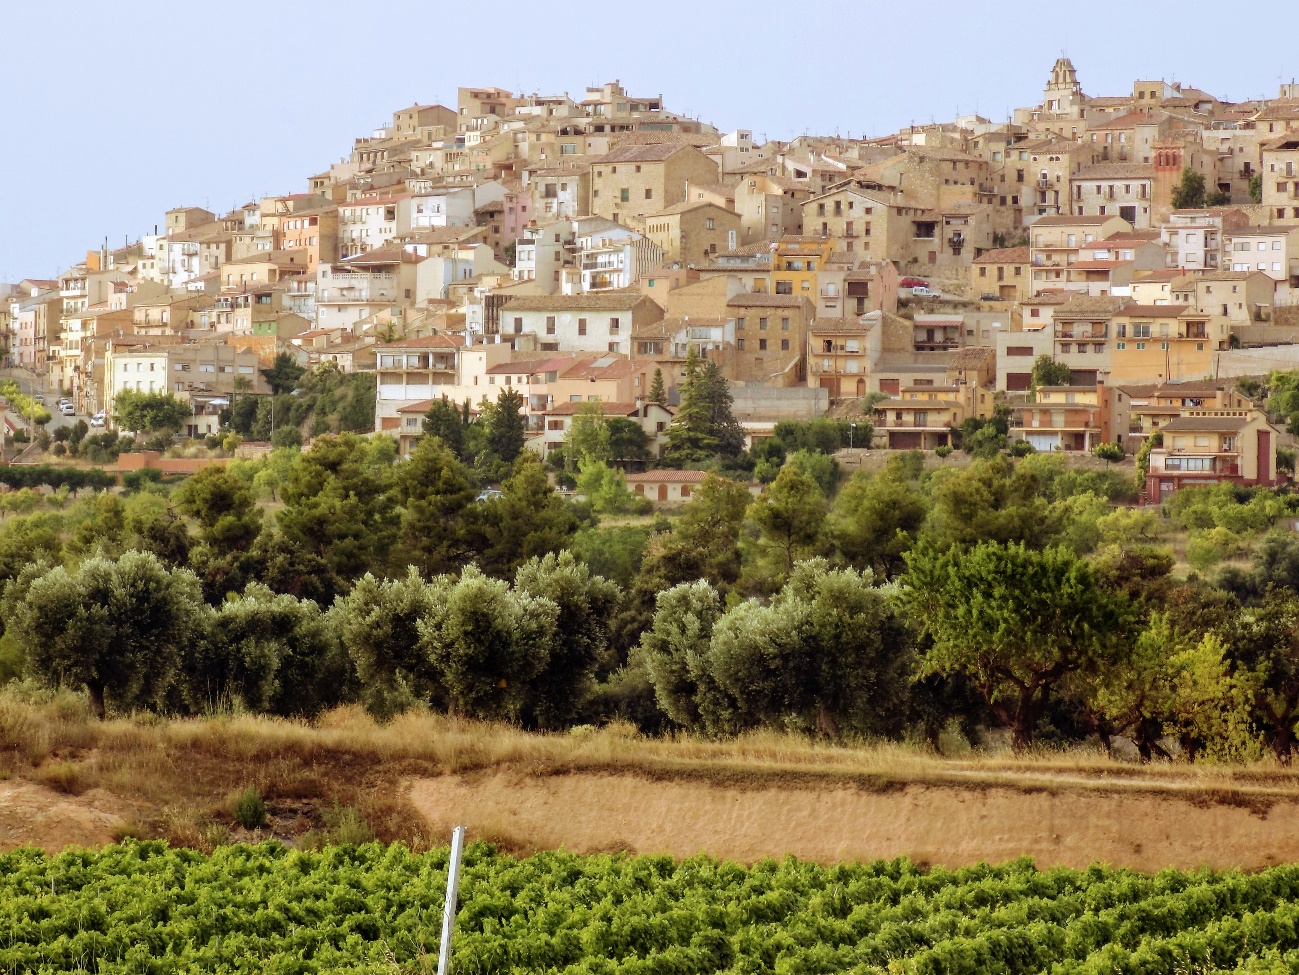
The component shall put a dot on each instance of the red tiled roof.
(670, 477)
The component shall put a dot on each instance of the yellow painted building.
(796, 264)
(1165, 343)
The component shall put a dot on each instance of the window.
(581, 326)
(1141, 346)
(739, 344)
(762, 324)
(784, 324)
(624, 195)
(613, 326)
(1120, 345)
(784, 345)
(711, 224)
(649, 193)
(550, 324)
(739, 324)
(762, 345)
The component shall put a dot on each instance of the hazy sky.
(115, 112)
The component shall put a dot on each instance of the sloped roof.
(669, 476)
(1004, 255)
(654, 152)
(622, 299)
(1213, 424)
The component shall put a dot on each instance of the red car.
(913, 283)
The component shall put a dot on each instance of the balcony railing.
(911, 423)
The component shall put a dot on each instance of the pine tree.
(725, 428)
(690, 438)
(658, 394)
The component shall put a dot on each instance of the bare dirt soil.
(945, 824)
(33, 815)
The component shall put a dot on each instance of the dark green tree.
(1014, 621)
(433, 490)
(1188, 194)
(1048, 372)
(488, 643)
(1108, 452)
(690, 439)
(149, 412)
(529, 519)
(283, 374)
(826, 655)
(876, 521)
(267, 652)
(338, 504)
(1265, 649)
(116, 627)
(584, 603)
(704, 543)
(224, 507)
(790, 516)
(505, 425)
(378, 625)
(446, 422)
(657, 392)
(628, 441)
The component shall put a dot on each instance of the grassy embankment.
(177, 778)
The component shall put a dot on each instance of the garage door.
(1018, 381)
(1043, 441)
(905, 439)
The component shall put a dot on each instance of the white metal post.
(453, 894)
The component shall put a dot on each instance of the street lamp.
(852, 429)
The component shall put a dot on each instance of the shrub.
(249, 810)
(60, 776)
(286, 437)
(943, 451)
(347, 826)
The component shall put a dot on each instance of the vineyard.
(143, 907)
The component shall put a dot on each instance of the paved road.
(42, 386)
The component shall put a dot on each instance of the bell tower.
(1063, 94)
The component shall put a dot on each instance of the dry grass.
(185, 770)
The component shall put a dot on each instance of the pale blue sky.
(115, 112)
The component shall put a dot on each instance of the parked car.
(67, 409)
(923, 292)
(490, 494)
(989, 296)
(99, 419)
(913, 283)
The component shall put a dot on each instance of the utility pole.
(453, 894)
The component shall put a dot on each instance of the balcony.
(918, 421)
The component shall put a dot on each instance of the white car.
(96, 421)
(923, 293)
(67, 409)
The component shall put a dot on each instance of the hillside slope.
(66, 779)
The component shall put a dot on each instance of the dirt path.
(32, 815)
(945, 825)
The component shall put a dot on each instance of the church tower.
(1063, 96)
